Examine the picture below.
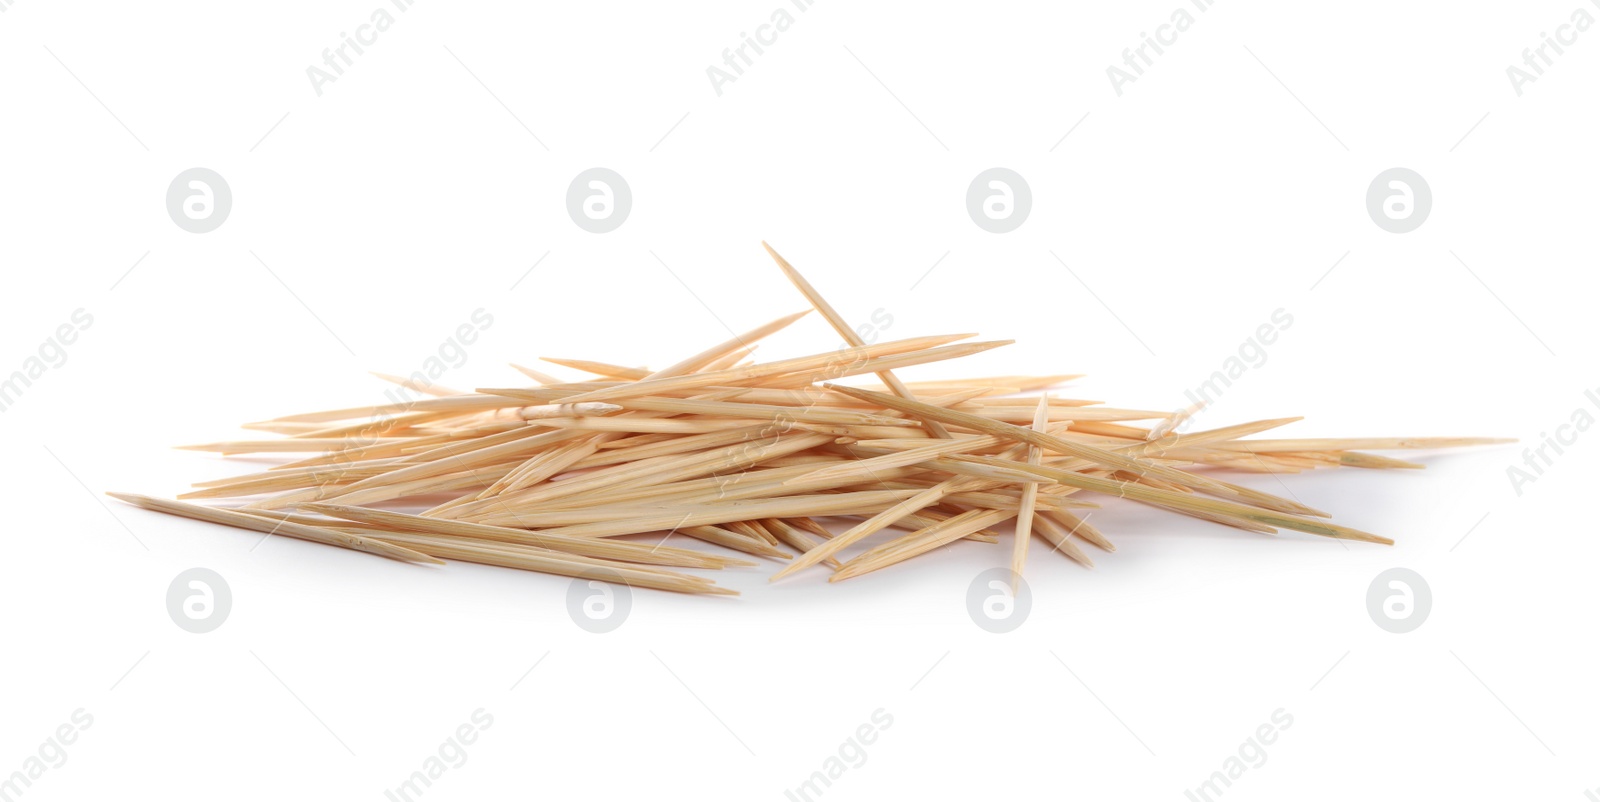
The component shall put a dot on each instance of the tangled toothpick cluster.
(559, 476)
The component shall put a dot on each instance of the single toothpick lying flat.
(285, 528)
(746, 455)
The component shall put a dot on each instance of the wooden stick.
(1030, 497)
(285, 528)
(843, 328)
(624, 550)
(745, 455)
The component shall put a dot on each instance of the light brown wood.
(557, 477)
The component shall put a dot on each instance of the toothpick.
(1030, 496)
(287, 529)
(746, 456)
(843, 328)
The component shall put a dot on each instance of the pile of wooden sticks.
(749, 456)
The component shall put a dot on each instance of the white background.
(1222, 185)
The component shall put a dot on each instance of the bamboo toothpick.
(285, 528)
(1030, 496)
(558, 476)
(843, 328)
